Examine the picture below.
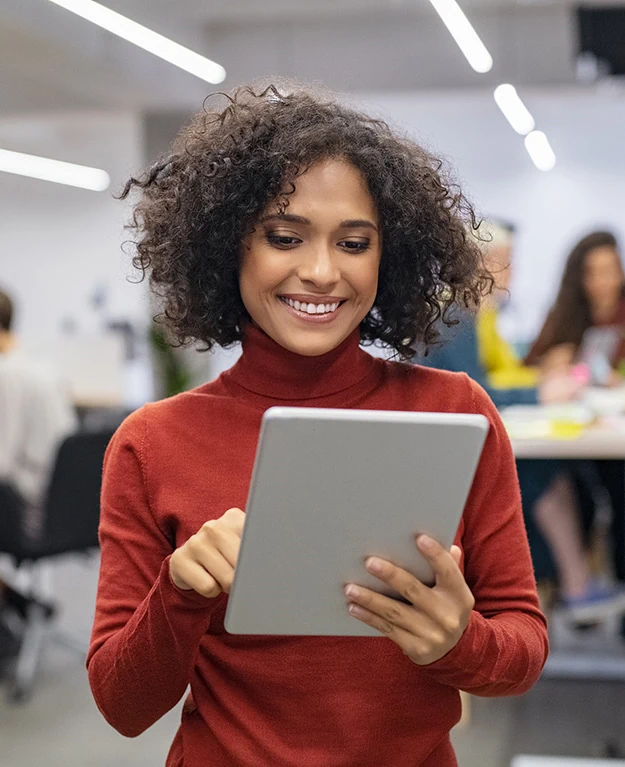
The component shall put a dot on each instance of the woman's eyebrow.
(353, 223)
(358, 223)
(288, 217)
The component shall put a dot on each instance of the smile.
(312, 308)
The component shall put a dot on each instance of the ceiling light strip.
(56, 171)
(513, 108)
(145, 38)
(464, 34)
(539, 149)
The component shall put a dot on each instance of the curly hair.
(199, 202)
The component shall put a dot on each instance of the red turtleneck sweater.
(293, 701)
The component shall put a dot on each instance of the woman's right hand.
(554, 389)
(206, 562)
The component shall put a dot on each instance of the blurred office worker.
(35, 415)
(583, 338)
(591, 297)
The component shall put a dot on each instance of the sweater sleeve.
(505, 645)
(146, 632)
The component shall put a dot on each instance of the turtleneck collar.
(267, 369)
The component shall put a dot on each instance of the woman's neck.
(267, 369)
(605, 311)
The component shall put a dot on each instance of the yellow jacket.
(504, 370)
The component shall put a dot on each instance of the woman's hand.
(558, 360)
(434, 621)
(556, 388)
(206, 562)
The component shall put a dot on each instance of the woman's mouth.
(311, 311)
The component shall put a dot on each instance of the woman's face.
(602, 276)
(309, 277)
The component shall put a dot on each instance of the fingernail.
(352, 591)
(374, 565)
(425, 543)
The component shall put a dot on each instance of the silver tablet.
(332, 487)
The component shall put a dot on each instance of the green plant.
(174, 375)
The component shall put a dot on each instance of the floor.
(61, 725)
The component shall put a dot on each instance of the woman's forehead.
(330, 189)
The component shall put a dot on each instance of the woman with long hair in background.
(591, 297)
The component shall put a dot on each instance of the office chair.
(70, 516)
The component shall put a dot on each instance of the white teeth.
(303, 306)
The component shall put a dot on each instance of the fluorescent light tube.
(145, 38)
(539, 149)
(54, 170)
(463, 33)
(514, 110)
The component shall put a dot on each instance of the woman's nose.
(319, 267)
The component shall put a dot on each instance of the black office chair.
(70, 517)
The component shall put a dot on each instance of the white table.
(600, 442)
(603, 442)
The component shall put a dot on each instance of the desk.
(599, 442)
(602, 442)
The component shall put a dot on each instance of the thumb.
(456, 554)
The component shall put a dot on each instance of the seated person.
(35, 415)
(584, 337)
(474, 346)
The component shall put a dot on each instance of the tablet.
(331, 487)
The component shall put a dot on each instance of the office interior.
(75, 92)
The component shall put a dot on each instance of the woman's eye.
(355, 245)
(282, 240)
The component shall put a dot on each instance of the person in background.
(35, 415)
(475, 346)
(591, 297)
(550, 506)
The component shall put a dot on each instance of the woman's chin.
(312, 344)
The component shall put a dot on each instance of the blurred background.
(544, 153)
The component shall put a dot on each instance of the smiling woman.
(309, 277)
(232, 171)
(302, 228)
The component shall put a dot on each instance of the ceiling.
(248, 10)
(51, 59)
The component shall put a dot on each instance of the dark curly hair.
(199, 202)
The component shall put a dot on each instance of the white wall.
(58, 244)
(586, 190)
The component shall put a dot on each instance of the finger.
(442, 563)
(402, 582)
(410, 644)
(218, 566)
(391, 610)
(456, 553)
(196, 577)
(234, 519)
(229, 545)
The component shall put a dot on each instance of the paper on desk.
(566, 421)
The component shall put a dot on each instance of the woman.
(301, 228)
(591, 295)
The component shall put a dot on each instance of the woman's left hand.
(436, 617)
